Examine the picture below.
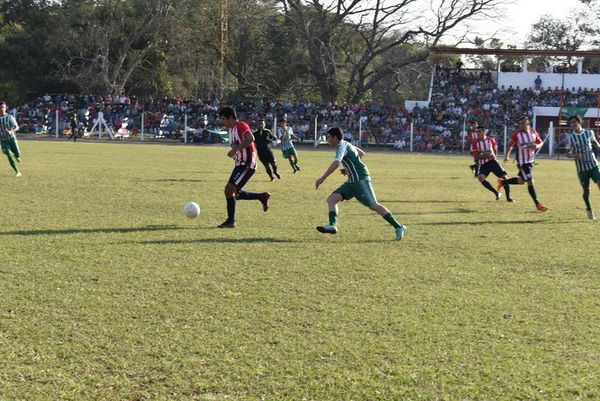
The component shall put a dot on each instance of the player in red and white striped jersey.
(484, 151)
(243, 152)
(527, 141)
(470, 138)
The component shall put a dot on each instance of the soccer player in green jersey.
(10, 146)
(286, 134)
(358, 185)
(581, 144)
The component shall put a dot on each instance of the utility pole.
(224, 35)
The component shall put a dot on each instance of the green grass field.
(108, 292)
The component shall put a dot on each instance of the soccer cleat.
(327, 229)
(499, 196)
(18, 159)
(227, 224)
(510, 200)
(541, 208)
(401, 232)
(266, 201)
(278, 176)
(297, 167)
(272, 179)
(18, 174)
(590, 215)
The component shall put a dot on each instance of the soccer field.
(108, 292)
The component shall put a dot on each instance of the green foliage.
(274, 49)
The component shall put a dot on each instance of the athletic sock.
(292, 164)
(532, 193)
(586, 199)
(268, 168)
(332, 219)
(243, 195)
(12, 162)
(511, 181)
(274, 168)
(231, 209)
(390, 218)
(506, 190)
(489, 187)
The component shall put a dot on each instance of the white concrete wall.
(527, 79)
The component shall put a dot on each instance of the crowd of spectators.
(458, 96)
(466, 95)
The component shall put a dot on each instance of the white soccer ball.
(191, 210)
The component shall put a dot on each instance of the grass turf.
(109, 292)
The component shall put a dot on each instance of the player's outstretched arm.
(595, 143)
(334, 166)
(509, 151)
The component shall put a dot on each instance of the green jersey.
(581, 144)
(7, 125)
(348, 155)
(286, 138)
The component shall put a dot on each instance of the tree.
(108, 40)
(551, 33)
(380, 27)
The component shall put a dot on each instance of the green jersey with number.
(580, 144)
(7, 125)
(348, 155)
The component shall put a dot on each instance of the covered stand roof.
(515, 52)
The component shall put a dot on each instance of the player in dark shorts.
(484, 151)
(243, 152)
(73, 123)
(528, 142)
(262, 139)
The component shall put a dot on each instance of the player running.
(286, 134)
(8, 140)
(484, 151)
(528, 142)
(581, 144)
(243, 152)
(472, 137)
(263, 138)
(358, 184)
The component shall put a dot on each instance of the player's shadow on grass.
(67, 231)
(478, 223)
(178, 180)
(424, 201)
(217, 241)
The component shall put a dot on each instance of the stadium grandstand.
(457, 96)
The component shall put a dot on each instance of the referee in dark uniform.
(73, 124)
(262, 139)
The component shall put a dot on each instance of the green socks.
(12, 162)
(333, 218)
(392, 220)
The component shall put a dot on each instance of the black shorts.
(491, 166)
(240, 176)
(266, 156)
(526, 171)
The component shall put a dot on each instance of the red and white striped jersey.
(246, 156)
(485, 146)
(524, 140)
(472, 136)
